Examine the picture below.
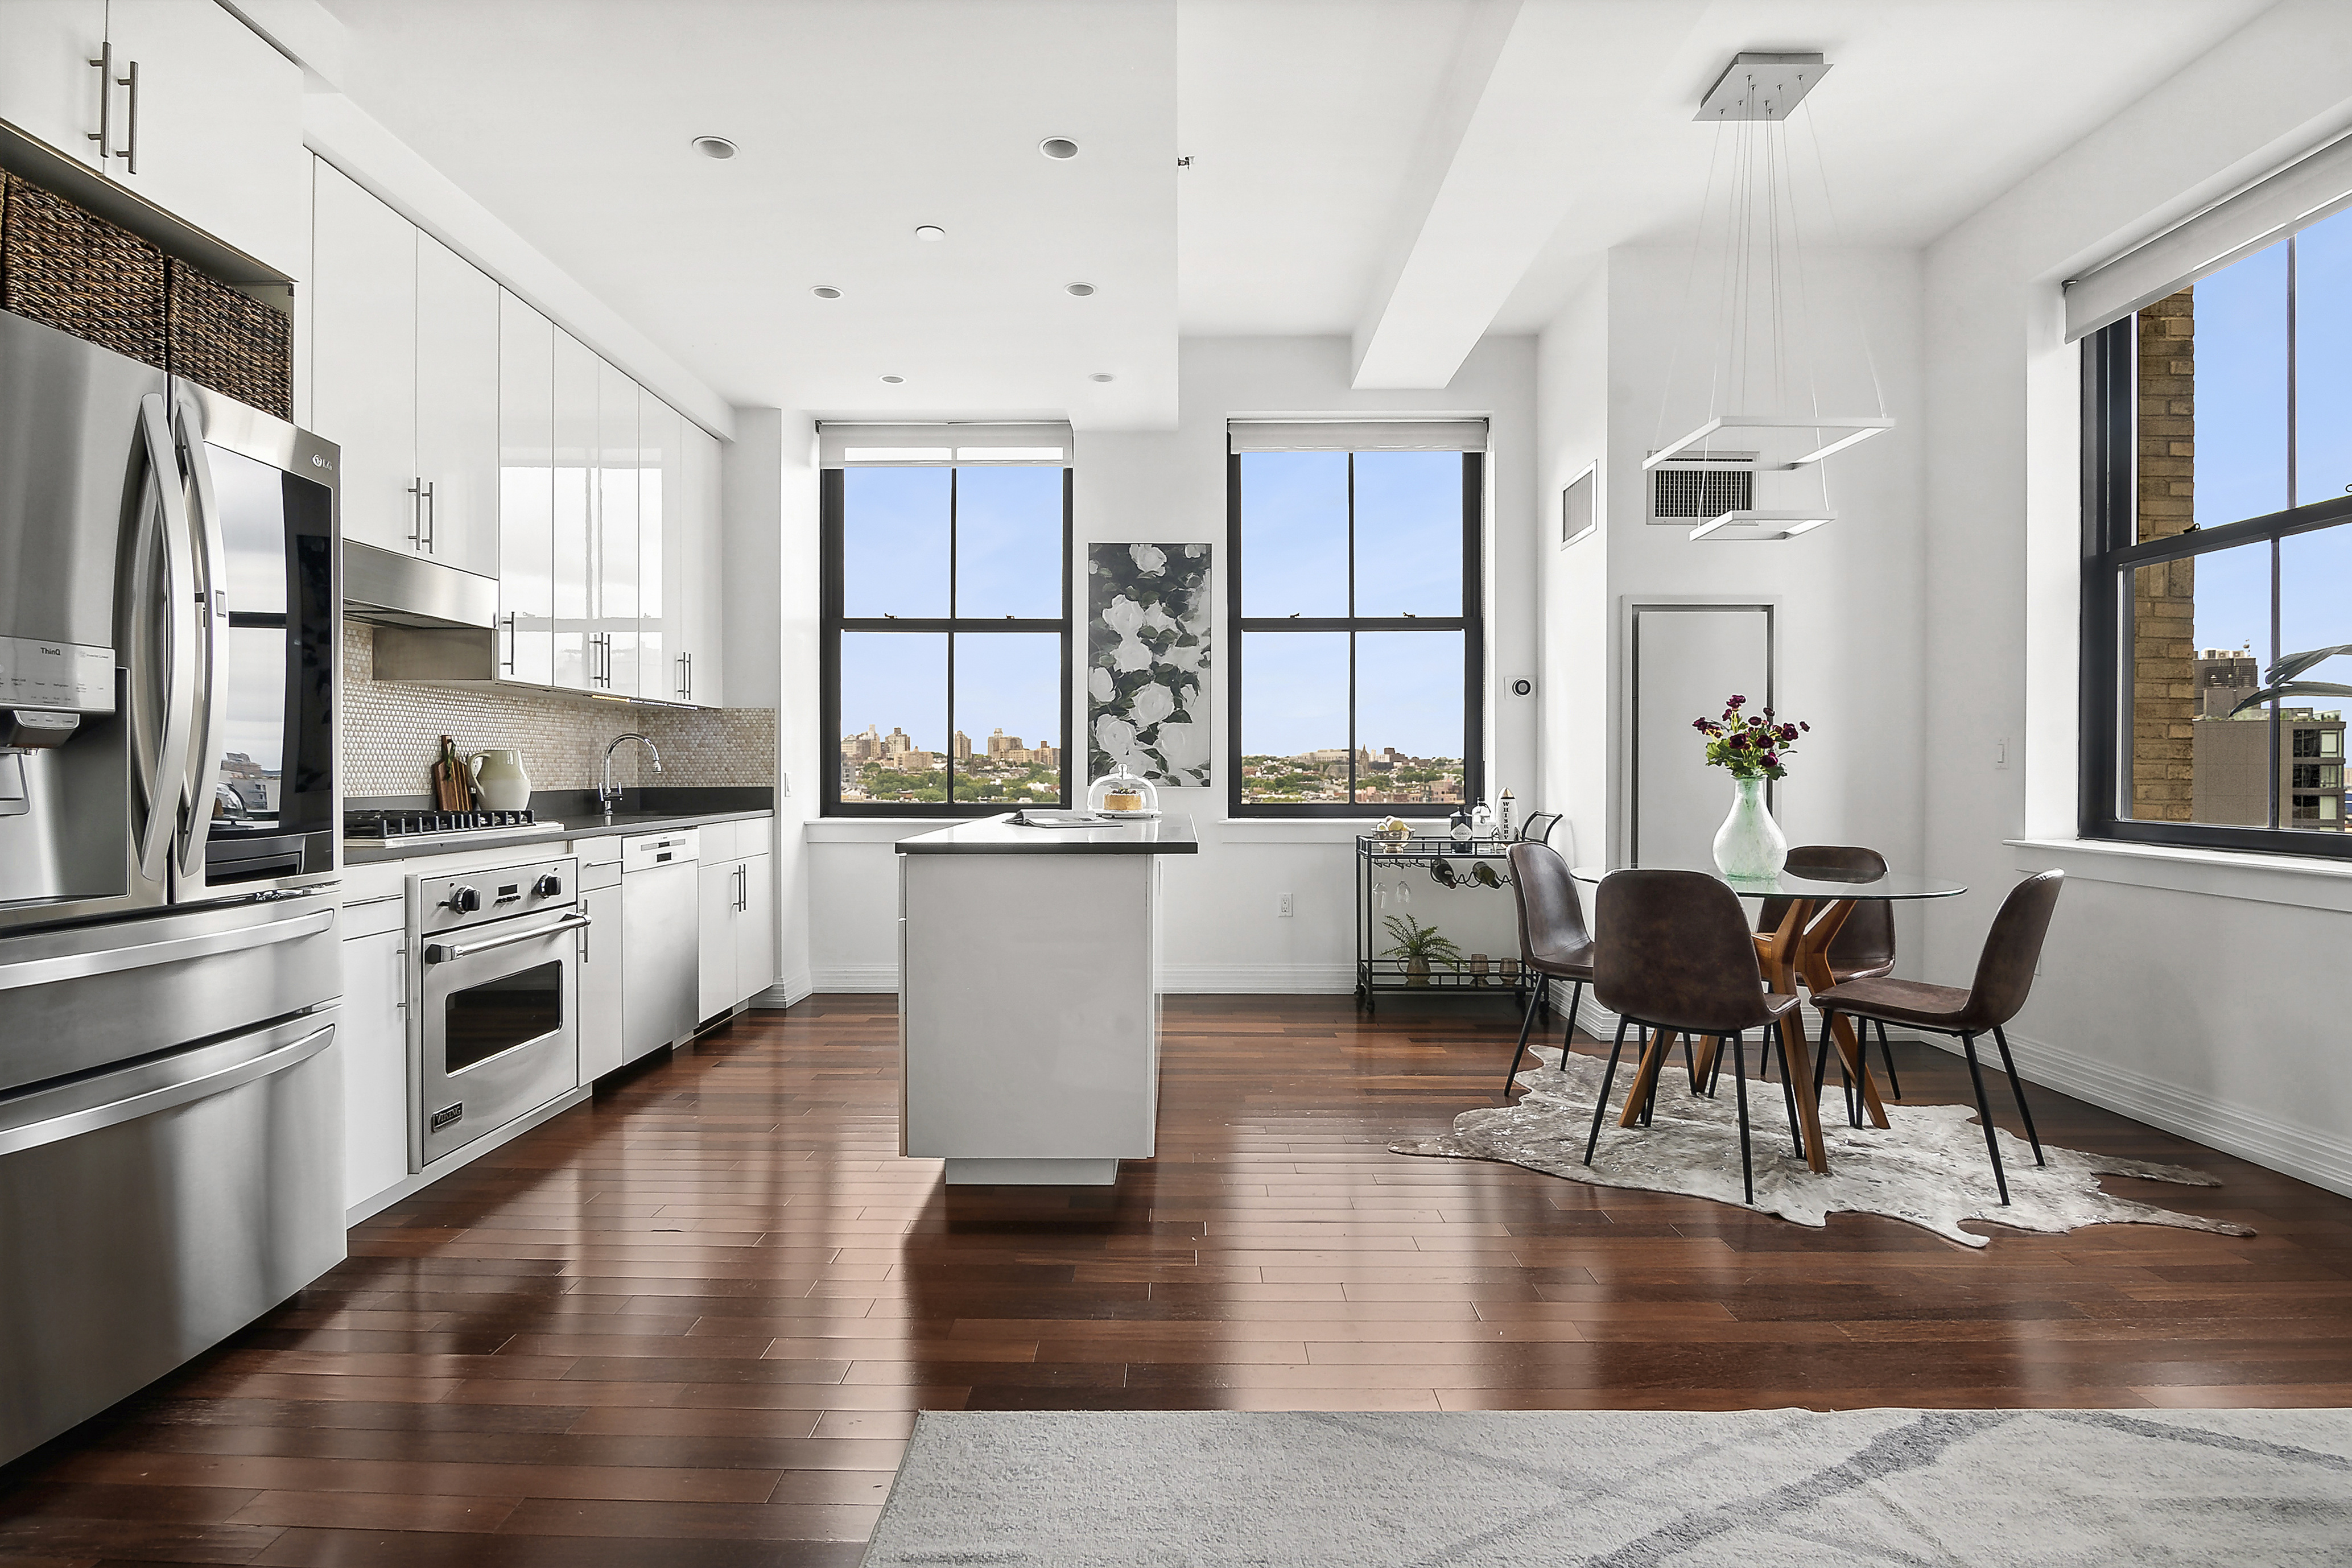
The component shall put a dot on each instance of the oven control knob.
(465, 901)
(548, 886)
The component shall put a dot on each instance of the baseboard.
(1257, 979)
(2306, 1153)
(856, 977)
(786, 990)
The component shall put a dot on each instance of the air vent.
(1686, 495)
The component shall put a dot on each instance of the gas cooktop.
(393, 829)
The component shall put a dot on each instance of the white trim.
(418, 1181)
(2300, 882)
(1257, 979)
(872, 829)
(1356, 434)
(855, 977)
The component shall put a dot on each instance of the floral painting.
(1148, 662)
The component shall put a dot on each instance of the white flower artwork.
(1148, 662)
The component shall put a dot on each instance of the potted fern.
(1418, 945)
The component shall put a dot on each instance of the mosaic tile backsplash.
(391, 731)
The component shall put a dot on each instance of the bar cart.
(1484, 863)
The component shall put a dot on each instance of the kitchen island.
(1029, 997)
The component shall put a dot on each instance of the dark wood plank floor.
(690, 1324)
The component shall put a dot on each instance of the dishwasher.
(661, 941)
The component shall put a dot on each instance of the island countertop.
(1167, 835)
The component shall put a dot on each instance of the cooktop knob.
(465, 901)
(548, 886)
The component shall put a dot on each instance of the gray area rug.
(2056, 1489)
(1928, 1167)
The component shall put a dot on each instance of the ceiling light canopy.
(1058, 147)
(714, 147)
(1102, 376)
(825, 292)
(931, 233)
(892, 380)
(1080, 290)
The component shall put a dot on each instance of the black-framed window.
(2217, 579)
(1357, 671)
(946, 638)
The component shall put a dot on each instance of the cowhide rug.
(1929, 1168)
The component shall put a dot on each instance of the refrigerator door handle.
(170, 759)
(211, 602)
(35, 1130)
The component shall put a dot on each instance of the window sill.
(2300, 881)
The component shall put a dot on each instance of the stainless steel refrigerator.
(171, 1106)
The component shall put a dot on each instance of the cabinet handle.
(507, 663)
(416, 513)
(130, 156)
(742, 887)
(104, 65)
(432, 518)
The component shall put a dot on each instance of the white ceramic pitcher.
(505, 785)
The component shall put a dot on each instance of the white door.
(525, 493)
(616, 548)
(49, 89)
(363, 358)
(600, 981)
(458, 408)
(1687, 660)
(213, 127)
(373, 1040)
(660, 675)
(755, 927)
(576, 662)
(715, 975)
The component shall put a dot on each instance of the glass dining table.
(1797, 948)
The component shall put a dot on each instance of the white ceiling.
(1415, 173)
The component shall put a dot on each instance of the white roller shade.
(2316, 186)
(1358, 436)
(841, 446)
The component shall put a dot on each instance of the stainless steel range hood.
(432, 622)
(390, 589)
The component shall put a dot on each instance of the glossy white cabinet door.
(47, 86)
(699, 573)
(458, 408)
(615, 550)
(715, 985)
(755, 927)
(600, 983)
(374, 1040)
(218, 125)
(364, 357)
(660, 674)
(525, 493)
(576, 660)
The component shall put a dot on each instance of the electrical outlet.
(1282, 907)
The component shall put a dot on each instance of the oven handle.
(449, 952)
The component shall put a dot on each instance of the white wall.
(1222, 931)
(2188, 991)
(1572, 691)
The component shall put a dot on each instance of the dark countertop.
(575, 813)
(1169, 835)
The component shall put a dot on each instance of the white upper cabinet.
(579, 652)
(660, 674)
(48, 88)
(204, 119)
(614, 554)
(697, 577)
(458, 408)
(363, 358)
(526, 494)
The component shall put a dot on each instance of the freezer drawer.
(149, 1213)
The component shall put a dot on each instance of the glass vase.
(1750, 843)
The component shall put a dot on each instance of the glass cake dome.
(1121, 794)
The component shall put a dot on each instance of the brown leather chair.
(1864, 948)
(2004, 979)
(1676, 953)
(1553, 943)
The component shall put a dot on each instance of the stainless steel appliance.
(433, 829)
(170, 1104)
(661, 939)
(497, 1032)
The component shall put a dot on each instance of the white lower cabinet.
(602, 1043)
(739, 915)
(374, 1038)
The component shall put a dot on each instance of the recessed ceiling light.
(894, 380)
(1101, 376)
(1080, 290)
(825, 292)
(714, 146)
(930, 231)
(1058, 147)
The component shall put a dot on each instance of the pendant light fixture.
(1756, 462)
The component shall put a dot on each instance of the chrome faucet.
(608, 793)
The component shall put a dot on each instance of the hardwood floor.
(688, 1323)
